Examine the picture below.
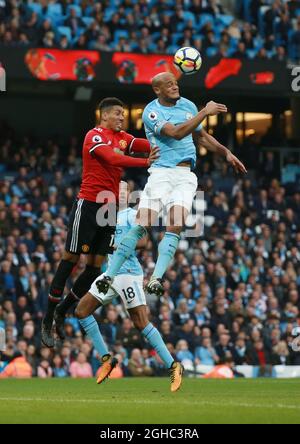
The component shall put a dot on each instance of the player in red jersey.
(106, 151)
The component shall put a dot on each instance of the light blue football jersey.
(172, 151)
(125, 221)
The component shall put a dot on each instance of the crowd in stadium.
(232, 293)
(264, 29)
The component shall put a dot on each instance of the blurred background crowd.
(231, 293)
(263, 29)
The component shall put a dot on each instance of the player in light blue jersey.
(170, 123)
(173, 150)
(128, 284)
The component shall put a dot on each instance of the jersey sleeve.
(194, 110)
(129, 139)
(154, 120)
(136, 144)
(93, 141)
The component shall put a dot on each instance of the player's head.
(166, 87)
(111, 113)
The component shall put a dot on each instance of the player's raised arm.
(211, 144)
(166, 88)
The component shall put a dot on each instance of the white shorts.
(128, 287)
(167, 187)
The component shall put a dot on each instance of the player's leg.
(131, 291)
(149, 208)
(167, 248)
(178, 204)
(73, 248)
(79, 289)
(84, 312)
(69, 260)
(140, 320)
(145, 218)
(139, 317)
(96, 242)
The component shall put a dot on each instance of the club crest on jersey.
(152, 115)
(97, 139)
(189, 116)
(123, 143)
(85, 248)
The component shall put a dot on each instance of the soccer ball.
(188, 60)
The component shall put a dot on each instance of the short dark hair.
(108, 102)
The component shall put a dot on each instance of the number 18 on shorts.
(128, 287)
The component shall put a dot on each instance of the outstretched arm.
(107, 154)
(211, 144)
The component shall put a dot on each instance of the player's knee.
(81, 311)
(95, 261)
(139, 325)
(140, 322)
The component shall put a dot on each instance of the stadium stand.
(156, 26)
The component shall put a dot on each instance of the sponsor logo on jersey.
(85, 248)
(152, 115)
(123, 143)
(189, 116)
(118, 150)
(97, 139)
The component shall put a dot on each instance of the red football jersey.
(96, 175)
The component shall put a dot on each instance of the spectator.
(58, 370)
(101, 44)
(258, 355)
(241, 51)
(206, 354)
(137, 366)
(80, 368)
(74, 22)
(183, 353)
(280, 55)
(17, 368)
(44, 370)
(81, 42)
(224, 348)
(123, 45)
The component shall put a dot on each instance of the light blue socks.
(91, 328)
(166, 249)
(153, 336)
(125, 249)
